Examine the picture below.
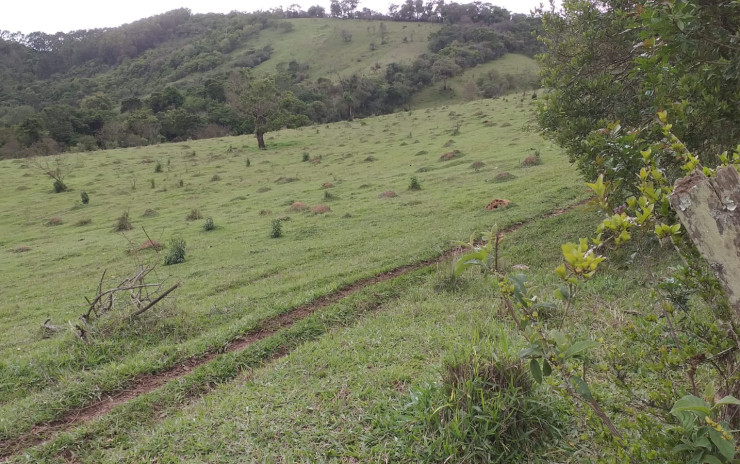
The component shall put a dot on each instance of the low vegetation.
(360, 336)
(252, 276)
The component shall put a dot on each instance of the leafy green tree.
(316, 11)
(178, 124)
(335, 8)
(30, 131)
(443, 69)
(264, 106)
(618, 61)
(348, 7)
(143, 124)
(60, 121)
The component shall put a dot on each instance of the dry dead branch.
(49, 329)
(141, 295)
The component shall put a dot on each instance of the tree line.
(83, 90)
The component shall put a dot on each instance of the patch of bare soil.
(298, 206)
(498, 203)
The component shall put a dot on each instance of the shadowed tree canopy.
(613, 64)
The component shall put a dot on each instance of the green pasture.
(346, 393)
(319, 43)
(237, 275)
(463, 88)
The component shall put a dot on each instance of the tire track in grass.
(269, 327)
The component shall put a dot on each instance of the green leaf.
(579, 348)
(531, 351)
(729, 399)
(562, 293)
(710, 459)
(534, 368)
(725, 447)
(693, 404)
(581, 387)
(546, 368)
(470, 259)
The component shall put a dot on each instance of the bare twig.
(156, 300)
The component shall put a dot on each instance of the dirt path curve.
(144, 384)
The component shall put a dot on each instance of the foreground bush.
(483, 410)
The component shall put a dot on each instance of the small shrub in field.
(329, 196)
(215, 178)
(55, 221)
(320, 209)
(305, 157)
(83, 222)
(59, 186)
(122, 223)
(477, 165)
(423, 169)
(370, 159)
(181, 183)
(153, 184)
(277, 229)
(414, 184)
(263, 189)
(175, 252)
(158, 167)
(248, 163)
(150, 213)
(84, 197)
(194, 215)
(483, 410)
(209, 225)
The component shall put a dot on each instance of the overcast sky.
(67, 15)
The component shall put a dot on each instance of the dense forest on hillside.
(180, 75)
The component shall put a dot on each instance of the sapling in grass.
(277, 229)
(175, 252)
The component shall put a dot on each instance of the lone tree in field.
(56, 170)
(264, 106)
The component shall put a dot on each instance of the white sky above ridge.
(52, 16)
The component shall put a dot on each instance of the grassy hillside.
(234, 276)
(350, 394)
(319, 43)
(463, 88)
(196, 52)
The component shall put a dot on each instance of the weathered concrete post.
(709, 209)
